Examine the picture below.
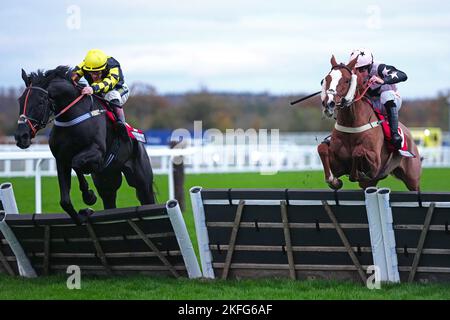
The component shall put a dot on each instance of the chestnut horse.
(357, 147)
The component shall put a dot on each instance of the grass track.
(139, 287)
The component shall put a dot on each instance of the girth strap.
(79, 119)
(363, 128)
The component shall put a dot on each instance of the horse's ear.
(25, 78)
(333, 61)
(352, 63)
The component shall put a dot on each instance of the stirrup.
(406, 154)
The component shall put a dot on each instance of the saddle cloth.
(133, 133)
(387, 133)
(387, 137)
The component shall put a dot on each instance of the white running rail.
(38, 161)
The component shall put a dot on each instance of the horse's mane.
(42, 78)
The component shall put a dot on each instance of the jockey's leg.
(392, 104)
(392, 113)
(120, 115)
(118, 111)
(117, 99)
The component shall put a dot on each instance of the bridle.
(34, 124)
(349, 98)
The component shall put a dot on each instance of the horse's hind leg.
(107, 185)
(409, 172)
(139, 174)
(88, 195)
(366, 184)
(142, 181)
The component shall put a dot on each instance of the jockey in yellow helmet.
(105, 78)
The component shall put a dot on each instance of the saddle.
(114, 152)
(387, 136)
(403, 151)
(133, 133)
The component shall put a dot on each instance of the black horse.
(82, 139)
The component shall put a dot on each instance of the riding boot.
(392, 113)
(120, 115)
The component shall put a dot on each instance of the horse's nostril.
(25, 136)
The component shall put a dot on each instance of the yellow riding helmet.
(95, 60)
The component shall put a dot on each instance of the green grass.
(160, 288)
(140, 287)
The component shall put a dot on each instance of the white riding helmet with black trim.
(365, 57)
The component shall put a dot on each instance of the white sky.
(281, 46)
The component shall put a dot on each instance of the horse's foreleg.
(64, 180)
(88, 195)
(90, 160)
(366, 165)
(324, 153)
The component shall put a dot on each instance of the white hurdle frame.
(376, 234)
(382, 237)
(183, 239)
(23, 264)
(388, 234)
(202, 232)
(7, 198)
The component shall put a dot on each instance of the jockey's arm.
(77, 72)
(108, 82)
(75, 77)
(390, 74)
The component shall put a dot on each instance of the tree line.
(147, 109)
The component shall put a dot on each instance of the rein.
(360, 129)
(344, 104)
(36, 125)
(79, 119)
(23, 118)
(362, 94)
(74, 102)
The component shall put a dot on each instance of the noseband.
(349, 97)
(346, 100)
(34, 124)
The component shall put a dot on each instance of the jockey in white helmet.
(383, 91)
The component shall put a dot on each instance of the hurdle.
(7, 200)
(150, 239)
(309, 234)
(381, 232)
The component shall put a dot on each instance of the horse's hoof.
(86, 212)
(336, 184)
(77, 220)
(89, 198)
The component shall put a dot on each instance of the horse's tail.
(137, 149)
